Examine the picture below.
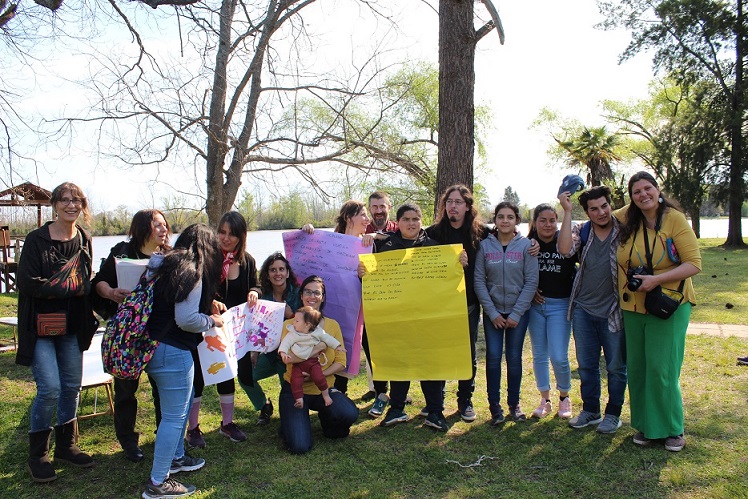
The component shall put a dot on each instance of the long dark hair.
(141, 228)
(196, 256)
(237, 228)
(511, 206)
(533, 231)
(472, 221)
(349, 209)
(634, 216)
(310, 279)
(265, 283)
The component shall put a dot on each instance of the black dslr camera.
(634, 282)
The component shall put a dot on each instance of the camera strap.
(649, 252)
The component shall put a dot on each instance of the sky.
(553, 57)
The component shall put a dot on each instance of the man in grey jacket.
(593, 307)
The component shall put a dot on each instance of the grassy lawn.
(528, 459)
(723, 280)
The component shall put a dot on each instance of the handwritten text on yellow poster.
(416, 314)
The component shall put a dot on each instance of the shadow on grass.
(535, 458)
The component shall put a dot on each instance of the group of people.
(592, 278)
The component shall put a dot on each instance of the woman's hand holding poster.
(333, 257)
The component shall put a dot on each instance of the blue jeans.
(57, 366)
(466, 387)
(590, 335)
(550, 333)
(173, 371)
(495, 338)
(296, 428)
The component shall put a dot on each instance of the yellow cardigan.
(632, 254)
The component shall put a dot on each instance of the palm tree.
(593, 149)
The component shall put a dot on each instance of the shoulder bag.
(661, 302)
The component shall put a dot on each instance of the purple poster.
(333, 257)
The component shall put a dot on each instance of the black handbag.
(661, 302)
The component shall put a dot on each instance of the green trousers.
(654, 357)
(267, 366)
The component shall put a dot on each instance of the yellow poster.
(415, 313)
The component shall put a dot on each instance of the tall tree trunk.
(456, 95)
(236, 166)
(695, 221)
(217, 138)
(736, 190)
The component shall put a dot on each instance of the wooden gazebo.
(27, 194)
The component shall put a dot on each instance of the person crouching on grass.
(296, 348)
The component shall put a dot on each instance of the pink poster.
(333, 257)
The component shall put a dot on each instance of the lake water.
(261, 244)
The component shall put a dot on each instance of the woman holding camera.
(658, 255)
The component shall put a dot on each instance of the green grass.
(723, 280)
(530, 459)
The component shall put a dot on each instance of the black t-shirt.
(556, 272)
(233, 292)
(105, 307)
(460, 236)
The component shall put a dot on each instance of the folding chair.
(95, 377)
(8, 265)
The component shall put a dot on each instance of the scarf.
(228, 259)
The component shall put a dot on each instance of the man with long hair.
(457, 222)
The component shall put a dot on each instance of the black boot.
(265, 413)
(132, 451)
(65, 448)
(38, 464)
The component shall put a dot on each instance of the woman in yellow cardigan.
(654, 346)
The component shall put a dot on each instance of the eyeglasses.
(312, 292)
(456, 202)
(75, 201)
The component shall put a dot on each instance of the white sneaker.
(564, 408)
(543, 409)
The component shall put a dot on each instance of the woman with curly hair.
(278, 284)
